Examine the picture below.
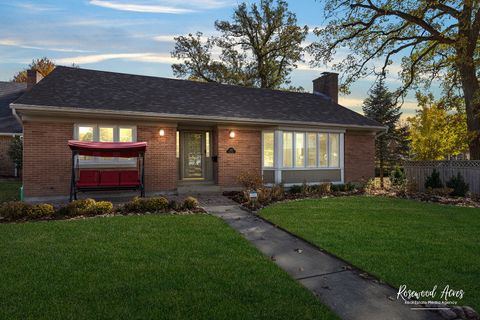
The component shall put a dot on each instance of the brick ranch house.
(9, 126)
(199, 135)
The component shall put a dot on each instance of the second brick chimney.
(33, 77)
(327, 85)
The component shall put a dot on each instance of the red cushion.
(109, 178)
(129, 178)
(88, 178)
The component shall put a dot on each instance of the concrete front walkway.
(348, 292)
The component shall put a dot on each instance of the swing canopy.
(108, 149)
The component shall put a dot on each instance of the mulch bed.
(471, 202)
(238, 197)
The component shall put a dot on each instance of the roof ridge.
(186, 80)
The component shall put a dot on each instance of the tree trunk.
(471, 92)
(465, 51)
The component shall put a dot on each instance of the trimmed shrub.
(141, 205)
(459, 186)
(85, 207)
(296, 189)
(433, 181)
(13, 210)
(100, 207)
(349, 187)
(325, 188)
(264, 196)
(173, 205)
(42, 210)
(190, 203)
(397, 176)
(250, 180)
(277, 192)
(343, 187)
(156, 204)
(76, 208)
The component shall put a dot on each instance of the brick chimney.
(327, 84)
(33, 77)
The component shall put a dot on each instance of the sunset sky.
(136, 36)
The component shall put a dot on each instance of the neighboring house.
(9, 125)
(199, 135)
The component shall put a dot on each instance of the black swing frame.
(74, 189)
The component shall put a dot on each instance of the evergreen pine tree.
(380, 106)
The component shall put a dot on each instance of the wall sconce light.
(232, 134)
(162, 132)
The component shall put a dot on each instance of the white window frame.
(97, 161)
(263, 149)
(293, 149)
(316, 166)
(295, 165)
(278, 151)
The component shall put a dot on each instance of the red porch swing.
(99, 180)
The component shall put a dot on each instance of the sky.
(137, 37)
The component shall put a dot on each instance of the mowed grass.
(400, 241)
(9, 190)
(143, 267)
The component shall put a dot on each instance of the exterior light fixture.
(232, 134)
(162, 132)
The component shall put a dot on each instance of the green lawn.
(9, 190)
(400, 241)
(143, 267)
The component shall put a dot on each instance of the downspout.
(15, 114)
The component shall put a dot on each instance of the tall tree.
(380, 106)
(44, 66)
(258, 48)
(436, 133)
(438, 40)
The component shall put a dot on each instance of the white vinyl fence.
(418, 171)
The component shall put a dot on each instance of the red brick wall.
(46, 159)
(7, 167)
(248, 146)
(359, 156)
(160, 160)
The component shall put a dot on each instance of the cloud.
(86, 22)
(35, 7)
(165, 38)
(19, 44)
(140, 7)
(206, 4)
(302, 66)
(95, 58)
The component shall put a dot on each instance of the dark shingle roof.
(90, 89)
(9, 92)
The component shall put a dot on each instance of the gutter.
(13, 134)
(381, 133)
(183, 117)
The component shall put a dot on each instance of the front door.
(193, 160)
